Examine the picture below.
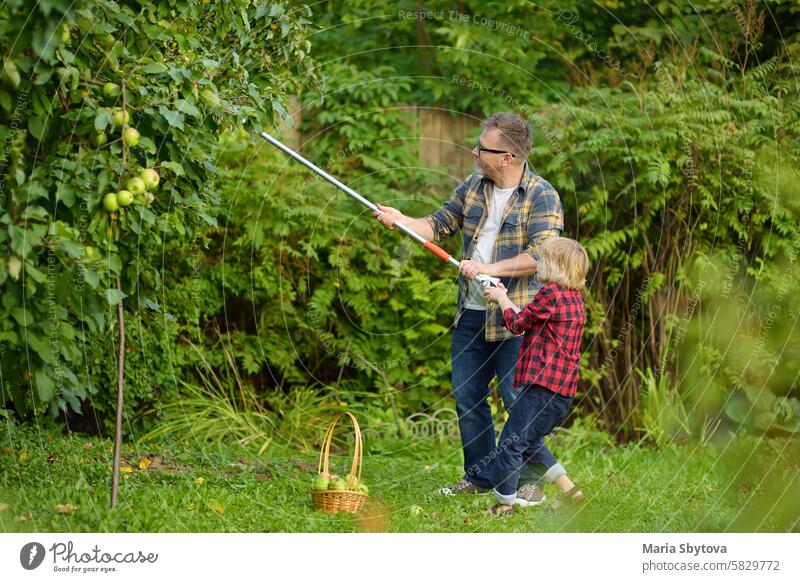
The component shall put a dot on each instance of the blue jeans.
(533, 415)
(475, 363)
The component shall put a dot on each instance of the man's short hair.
(515, 133)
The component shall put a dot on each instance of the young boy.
(547, 368)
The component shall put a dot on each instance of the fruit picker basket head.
(332, 501)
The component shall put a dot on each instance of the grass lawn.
(55, 483)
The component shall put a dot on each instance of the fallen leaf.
(23, 456)
(415, 510)
(26, 516)
(3, 506)
(144, 463)
(200, 480)
(7, 450)
(66, 508)
(87, 446)
(744, 487)
(126, 469)
(190, 506)
(215, 506)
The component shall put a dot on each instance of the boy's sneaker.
(463, 486)
(530, 495)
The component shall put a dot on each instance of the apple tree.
(111, 118)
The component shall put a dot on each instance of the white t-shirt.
(486, 237)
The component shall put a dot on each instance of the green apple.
(111, 90)
(131, 137)
(338, 485)
(150, 178)
(363, 488)
(135, 185)
(321, 483)
(149, 197)
(99, 139)
(352, 486)
(124, 197)
(120, 118)
(14, 267)
(110, 202)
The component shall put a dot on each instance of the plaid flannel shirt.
(550, 354)
(532, 214)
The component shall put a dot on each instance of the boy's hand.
(495, 294)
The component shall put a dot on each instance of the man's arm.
(546, 219)
(522, 264)
(392, 216)
(443, 223)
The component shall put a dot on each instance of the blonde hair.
(563, 261)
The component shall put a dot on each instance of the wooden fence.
(443, 137)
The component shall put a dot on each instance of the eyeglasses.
(480, 149)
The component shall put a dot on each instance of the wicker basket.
(333, 501)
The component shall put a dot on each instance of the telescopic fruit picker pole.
(484, 280)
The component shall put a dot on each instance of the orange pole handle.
(437, 250)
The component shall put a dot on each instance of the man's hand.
(495, 294)
(470, 269)
(388, 216)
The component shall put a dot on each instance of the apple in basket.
(321, 483)
(338, 484)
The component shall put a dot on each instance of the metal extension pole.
(432, 247)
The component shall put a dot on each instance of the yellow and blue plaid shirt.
(533, 213)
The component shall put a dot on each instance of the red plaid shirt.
(550, 354)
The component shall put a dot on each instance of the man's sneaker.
(463, 486)
(529, 495)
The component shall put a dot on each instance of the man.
(504, 211)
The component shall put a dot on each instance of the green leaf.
(173, 118)
(37, 128)
(114, 296)
(45, 387)
(154, 68)
(102, 119)
(187, 108)
(91, 277)
(41, 347)
(22, 316)
(175, 167)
